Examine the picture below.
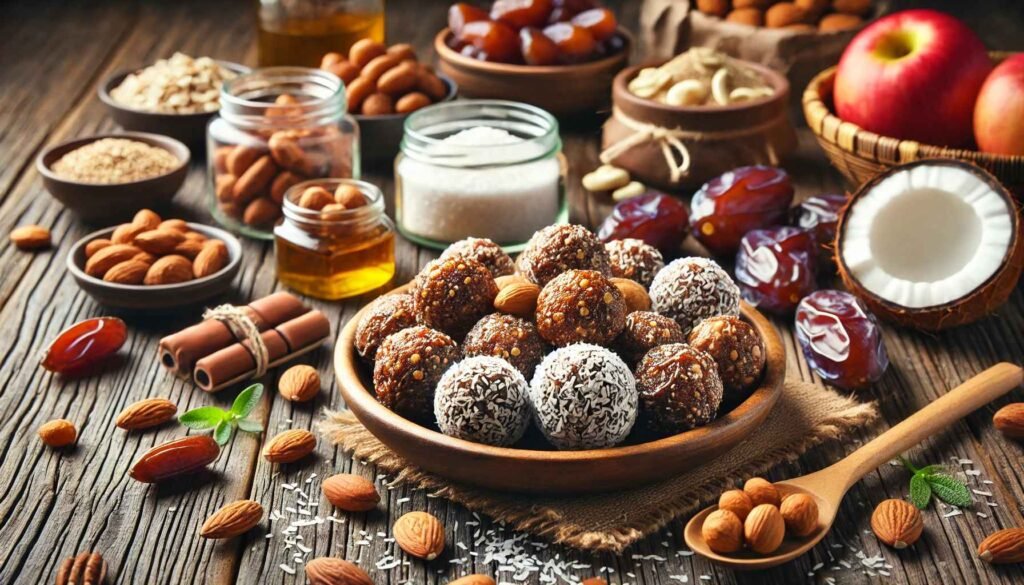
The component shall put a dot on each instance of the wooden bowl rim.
(445, 53)
(108, 83)
(172, 145)
(234, 260)
(756, 406)
(449, 96)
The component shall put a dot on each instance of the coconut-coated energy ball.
(483, 399)
(409, 364)
(645, 330)
(583, 397)
(388, 314)
(485, 252)
(510, 338)
(452, 294)
(580, 306)
(679, 389)
(557, 248)
(634, 259)
(692, 289)
(737, 349)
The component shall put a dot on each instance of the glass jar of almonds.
(277, 127)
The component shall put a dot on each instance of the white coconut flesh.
(927, 236)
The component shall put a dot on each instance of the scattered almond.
(737, 502)
(58, 433)
(232, 520)
(518, 298)
(289, 446)
(722, 531)
(352, 493)
(128, 272)
(419, 534)
(764, 529)
(146, 413)
(169, 270)
(1003, 546)
(299, 383)
(212, 258)
(85, 568)
(331, 571)
(589, 581)
(800, 513)
(897, 523)
(486, 580)
(1009, 420)
(761, 491)
(30, 237)
(633, 293)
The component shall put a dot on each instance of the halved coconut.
(931, 244)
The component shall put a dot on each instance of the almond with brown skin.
(633, 293)
(352, 493)
(128, 272)
(519, 299)
(146, 413)
(299, 383)
(261, 211)
(174, 224)
(419, 534)
(1009, 420)
(211, 259)
(108, 257)
(147, 218)
(737, 502)
(761, 491)
(897, 523)
(233, 519)
(289, 446)
(281, 183)
(315, 198)
(126, 232)
(241, 158)
(800, 512)
(188, 248)
(58, 433)
(30, 237)
(722, 531)
(764, 529)
(169, 270)
(174, 458)
(1003, 546)
(255, 179)
(331, 571)
(85, 568)
(486, 580)
(95, 246)
(159, 241)
(589, 581)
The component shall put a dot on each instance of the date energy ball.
(387, 315)
(645, 330)
(483, 251)
(580, 306)
(451, 295)
(557, 248)
(510, 338)
(634, 259)
(690, 290)
(409, 365)
(679, 389)
(583, 397)
(737, 349)
(483, 399)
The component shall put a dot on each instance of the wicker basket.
(859, 155)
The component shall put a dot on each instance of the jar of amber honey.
(300, 32)
(334, 249)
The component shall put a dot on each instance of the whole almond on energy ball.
(1009, 420)
(289, 446)
(1003, 546)
(352, 493)
(897, 523)
(169, 270)
(800, 512)
(419, 534)
(633, 293)
(331, 571)
(722, 531)
(519, 299)
(146, 413)
(737, 502)
(211, 259)
(58, 433)
(761, 491)
(299, 383)
(233, 519)
(30, 237)
(764, 529)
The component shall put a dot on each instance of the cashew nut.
(688, 92)
(605, 178)
(633, 189)
(741, 94)
(720, 86)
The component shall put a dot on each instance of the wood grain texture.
(53, 52)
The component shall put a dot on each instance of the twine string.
(243, 327)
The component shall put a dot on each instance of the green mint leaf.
(250, 426)
(920, 491)
(222, 434)
(247, 400)
(933, 470)
(202, 418)
(950, 490)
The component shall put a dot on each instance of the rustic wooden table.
(56, 503)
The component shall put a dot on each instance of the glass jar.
(335, 252)
(277, 127)
(479, 168)
(300, 32)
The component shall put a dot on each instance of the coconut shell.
(979, 303)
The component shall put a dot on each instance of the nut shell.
(419, 534)
(764, 529)
(897, 523)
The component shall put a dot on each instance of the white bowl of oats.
(175, 97)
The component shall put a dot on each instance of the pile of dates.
(534, 32)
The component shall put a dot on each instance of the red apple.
(913, 75)
(999, 112)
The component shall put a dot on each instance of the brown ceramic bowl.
(111, 201)
(536, 470)
(380, 137)
(563, 90)
(156, 297)
(188, 128)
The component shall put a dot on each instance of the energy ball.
(452, 294)
(483, 251)
(510, 338)
(483, 399)
(634, 259)
(679, 388)
(736, 348)
(408, 367)
(583, 397)
(580, 306)
(557, 248)
(645, 330)
(387, 315)
(690, 290)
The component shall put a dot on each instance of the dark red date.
(775, 268)
(744, 199)
(841, 339)
(656, 218)
(84, 344)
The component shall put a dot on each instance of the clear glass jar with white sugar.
(479, 168)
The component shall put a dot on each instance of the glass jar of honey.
(335, 253)
(300, 32)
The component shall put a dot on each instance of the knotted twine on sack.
(805, 416)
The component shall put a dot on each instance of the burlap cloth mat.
(805, 416)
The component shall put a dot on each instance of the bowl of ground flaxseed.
(111, 176)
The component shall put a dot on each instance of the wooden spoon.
(829, 485)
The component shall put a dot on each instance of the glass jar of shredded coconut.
(479, 168)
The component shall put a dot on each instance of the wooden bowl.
(188, 128)
(860, 155)
(112, 201)
(549, 471)
(563, 90)
(380, 137)
(156, 297)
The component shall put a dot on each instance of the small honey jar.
(335, 241)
